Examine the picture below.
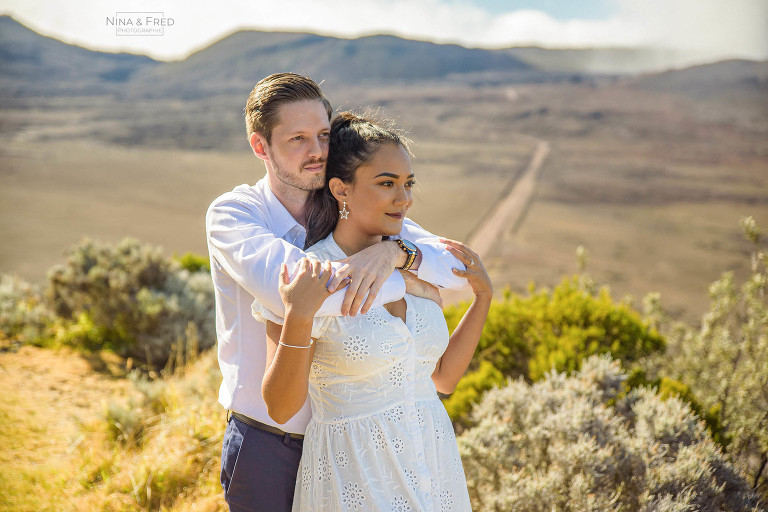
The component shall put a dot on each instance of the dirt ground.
(47, 395)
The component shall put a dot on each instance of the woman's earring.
(344, 213)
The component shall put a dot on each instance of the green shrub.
(470, 389)
(667, 388)
(194, 262)
(557, 445)
(529, 336)
(140, 302)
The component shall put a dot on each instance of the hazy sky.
(710, 29)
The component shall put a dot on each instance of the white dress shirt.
(250, 233)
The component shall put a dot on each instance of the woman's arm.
(452, 365)
(242, 244)
(420, 288)
(290, 347)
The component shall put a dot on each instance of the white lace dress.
(379, 438)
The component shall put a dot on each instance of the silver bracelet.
(311, 341)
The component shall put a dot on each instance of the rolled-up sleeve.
(437, 263)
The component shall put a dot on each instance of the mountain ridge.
(35, 65)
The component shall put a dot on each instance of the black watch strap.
(411, 252)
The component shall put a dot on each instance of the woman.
(380, 439)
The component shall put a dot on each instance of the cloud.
(705, 28)
(723, 28)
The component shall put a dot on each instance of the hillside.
(33, 64)
(744, 79)
(237, 61)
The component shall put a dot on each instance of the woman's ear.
(339, 189)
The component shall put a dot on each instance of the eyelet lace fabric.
(379, 438)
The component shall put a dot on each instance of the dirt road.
(509, 211)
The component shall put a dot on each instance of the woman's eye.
(410, 183)
(386, 183)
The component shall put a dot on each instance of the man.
(251, 231)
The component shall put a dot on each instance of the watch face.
(409, 245)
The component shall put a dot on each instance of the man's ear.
(339, 189)
(259, 146)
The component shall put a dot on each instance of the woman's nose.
(403, 196)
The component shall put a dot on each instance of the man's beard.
(307, 183)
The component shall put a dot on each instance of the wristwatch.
(410, 252)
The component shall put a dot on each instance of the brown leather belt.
(267, 428)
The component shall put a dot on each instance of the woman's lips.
(398, 216)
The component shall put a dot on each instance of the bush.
(527, 337)
(470, 389)
(157, 448)
(725, 361)
(139, 302)
(557, 445)
(194, 262)
(24, 314)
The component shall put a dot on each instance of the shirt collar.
(283, 221)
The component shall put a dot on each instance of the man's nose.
(319, 148)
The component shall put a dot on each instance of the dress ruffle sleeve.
(262, 314)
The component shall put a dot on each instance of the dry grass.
(78, 435)
(48, 396)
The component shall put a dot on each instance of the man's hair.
(261, 109)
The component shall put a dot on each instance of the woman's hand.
(305, 294)
(476, 274)
(420, 288)
(456, 358)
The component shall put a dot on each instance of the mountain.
(239, 60)
(726, 79)
(33, 64)
(612, 61)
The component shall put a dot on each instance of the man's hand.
(419, 288)
(367, 270)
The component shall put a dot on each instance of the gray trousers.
(258, 469)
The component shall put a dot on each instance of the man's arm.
(436, 263)
(251, 254)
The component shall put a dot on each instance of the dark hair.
(271, 92)
(353, 142)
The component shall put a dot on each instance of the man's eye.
(298, 137)
(325, 135)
